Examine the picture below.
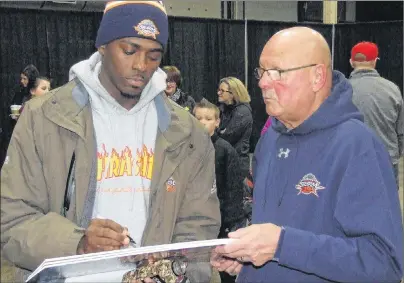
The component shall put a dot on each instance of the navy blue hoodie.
(330, 184)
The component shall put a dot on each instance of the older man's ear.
(319, 77)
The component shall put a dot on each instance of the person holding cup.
(38, 87)
(27, 76)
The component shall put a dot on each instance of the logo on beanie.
(147, 28)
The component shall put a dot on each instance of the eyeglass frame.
(280, 71)
(222, 90)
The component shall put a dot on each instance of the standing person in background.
(378, 99)
(229, 180)
(27, 77)
(40, 86)
(236, 118)
(173, 90)
(37, 88)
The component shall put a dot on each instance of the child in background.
(229, 180)
(38, 87)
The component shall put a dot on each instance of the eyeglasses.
(222, 90)
(275, 74)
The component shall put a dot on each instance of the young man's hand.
(103, 235)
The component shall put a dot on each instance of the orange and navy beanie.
(144, 19)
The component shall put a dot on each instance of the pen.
(131, 241)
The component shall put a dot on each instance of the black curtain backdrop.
(258, 35)
(387, 35)
(205, 50)
(21, 43)
(71, 38)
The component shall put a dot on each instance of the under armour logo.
(283, 153)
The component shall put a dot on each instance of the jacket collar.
(69, 107)
(214, 137)
(364, 73)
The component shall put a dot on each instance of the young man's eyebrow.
(135, 45)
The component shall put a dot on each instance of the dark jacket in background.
(235, 127)
(229, 185)
(184, 100)
(380, 102)
(21, 95)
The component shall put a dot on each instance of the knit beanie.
(144, 19)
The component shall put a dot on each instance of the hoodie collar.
(363, 73)
(214, 137)
(70, 111)
(337, 108)
(87, 72)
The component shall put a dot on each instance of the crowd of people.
(324, 175)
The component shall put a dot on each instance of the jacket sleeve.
(368, 213)
(199, 215)
(239, 125)
(232, 206)
(400, 129)
(29, 232)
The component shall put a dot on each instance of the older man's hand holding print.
(256, 244)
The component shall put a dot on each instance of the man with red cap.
(378, 99)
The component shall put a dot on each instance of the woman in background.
(236, 118)
(37, 88)
(27, 76)
(173, 90)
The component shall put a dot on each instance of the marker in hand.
(125, 231)
(131, 241)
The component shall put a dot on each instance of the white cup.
(15, 109)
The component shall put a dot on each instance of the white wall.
(254, 10)
(193, 8)
(350, 11)
(284, 11)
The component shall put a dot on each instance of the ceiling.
(56, 5)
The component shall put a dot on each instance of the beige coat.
(33, 179)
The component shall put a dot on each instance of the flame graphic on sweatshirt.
(121, 163)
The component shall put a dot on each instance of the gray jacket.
(381, 103)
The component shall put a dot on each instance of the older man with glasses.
(326, 207)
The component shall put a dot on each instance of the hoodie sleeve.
(400, 129)
(368, 213)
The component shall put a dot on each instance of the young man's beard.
(131, 96)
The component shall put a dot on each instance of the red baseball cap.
(368, 49)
